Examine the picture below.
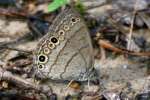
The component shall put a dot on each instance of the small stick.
(8, 76)
(105, 44)
(131, 27)
(20, 50)
(12, 13)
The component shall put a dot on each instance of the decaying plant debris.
(120, 32)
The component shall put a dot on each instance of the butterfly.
(65, 52)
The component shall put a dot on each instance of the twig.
(105, 44)
(8, 76)
(145, 18)
(20, 50)
(12, 13)
(131, 28)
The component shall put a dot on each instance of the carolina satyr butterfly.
(65, 52)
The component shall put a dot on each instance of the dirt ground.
(119, 72)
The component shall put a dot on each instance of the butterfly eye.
(51, 45)
(61, 38)
(41, 66)
(66, 27)
(42, 58)
(61, 32)
(54, 40)
(46, 50)
(73, 20)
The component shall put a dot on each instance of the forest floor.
(120, 33)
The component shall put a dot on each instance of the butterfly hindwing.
(65, 52)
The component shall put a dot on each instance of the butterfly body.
(65, 53)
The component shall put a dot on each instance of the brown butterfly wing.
(70, 58)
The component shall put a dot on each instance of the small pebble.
(53, 97)
(4, 84)
(125, 66)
